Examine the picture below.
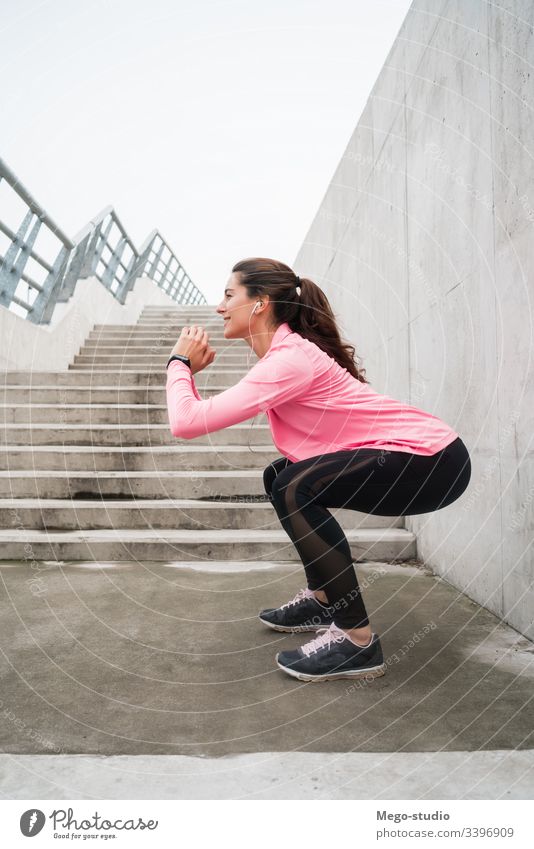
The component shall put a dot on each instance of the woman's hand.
(193, 343)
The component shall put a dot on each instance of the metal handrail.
(102, 249)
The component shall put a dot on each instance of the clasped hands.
(193, 343)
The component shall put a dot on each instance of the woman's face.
(236, 308)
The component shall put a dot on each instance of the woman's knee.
(270, 474)
(294, 487)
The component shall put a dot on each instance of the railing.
(103, 249)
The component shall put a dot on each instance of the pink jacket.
(314, 405)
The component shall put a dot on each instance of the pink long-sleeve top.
(314, 405)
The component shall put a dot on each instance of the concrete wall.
(424, 244)
(52, 347)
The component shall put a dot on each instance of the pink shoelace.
(305, 593)
(330, 635)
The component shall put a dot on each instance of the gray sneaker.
(302, 613)
(332, 655)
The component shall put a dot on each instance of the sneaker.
(302, 613)
(333, 655)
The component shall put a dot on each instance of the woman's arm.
(272, 380)
(193, 385)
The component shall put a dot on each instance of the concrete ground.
(271, 775)
(137, 660)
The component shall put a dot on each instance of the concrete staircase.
(90, 470)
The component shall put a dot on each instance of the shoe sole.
(292, 629)
(370, 672)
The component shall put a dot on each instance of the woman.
(343, 445)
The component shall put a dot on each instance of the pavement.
(147, 678)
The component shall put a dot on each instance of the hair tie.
(297, 284)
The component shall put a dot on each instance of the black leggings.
(372, 480)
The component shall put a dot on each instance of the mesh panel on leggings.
(319, 538)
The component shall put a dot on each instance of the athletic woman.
(343, 445)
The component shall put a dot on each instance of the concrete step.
(122, 353)
(130, 434)
(145, 346)
(134, 333)
(149, 364)
(117, 377)
(149, 484)
(162, 340)
(193, 312)
(192, 315)
(159, 331)
(84, 413)
(127, 359)
(189, 315)
(88, 414)
(179, 513)
(165, 324)
(209, 315)
(161, 325)
(155, 326)
(93, 394)
(165, 331)
(172, 331)
(137, 544)
(76, 458)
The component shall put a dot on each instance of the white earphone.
(253, 310)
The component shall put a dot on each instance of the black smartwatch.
(185, 360)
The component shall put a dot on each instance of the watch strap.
(182, 359)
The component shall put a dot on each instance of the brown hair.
(308, 314)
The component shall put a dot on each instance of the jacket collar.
(281, 331)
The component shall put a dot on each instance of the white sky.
(220, 123)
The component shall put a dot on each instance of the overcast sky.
(220, 123)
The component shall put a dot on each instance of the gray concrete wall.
(424, 244)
